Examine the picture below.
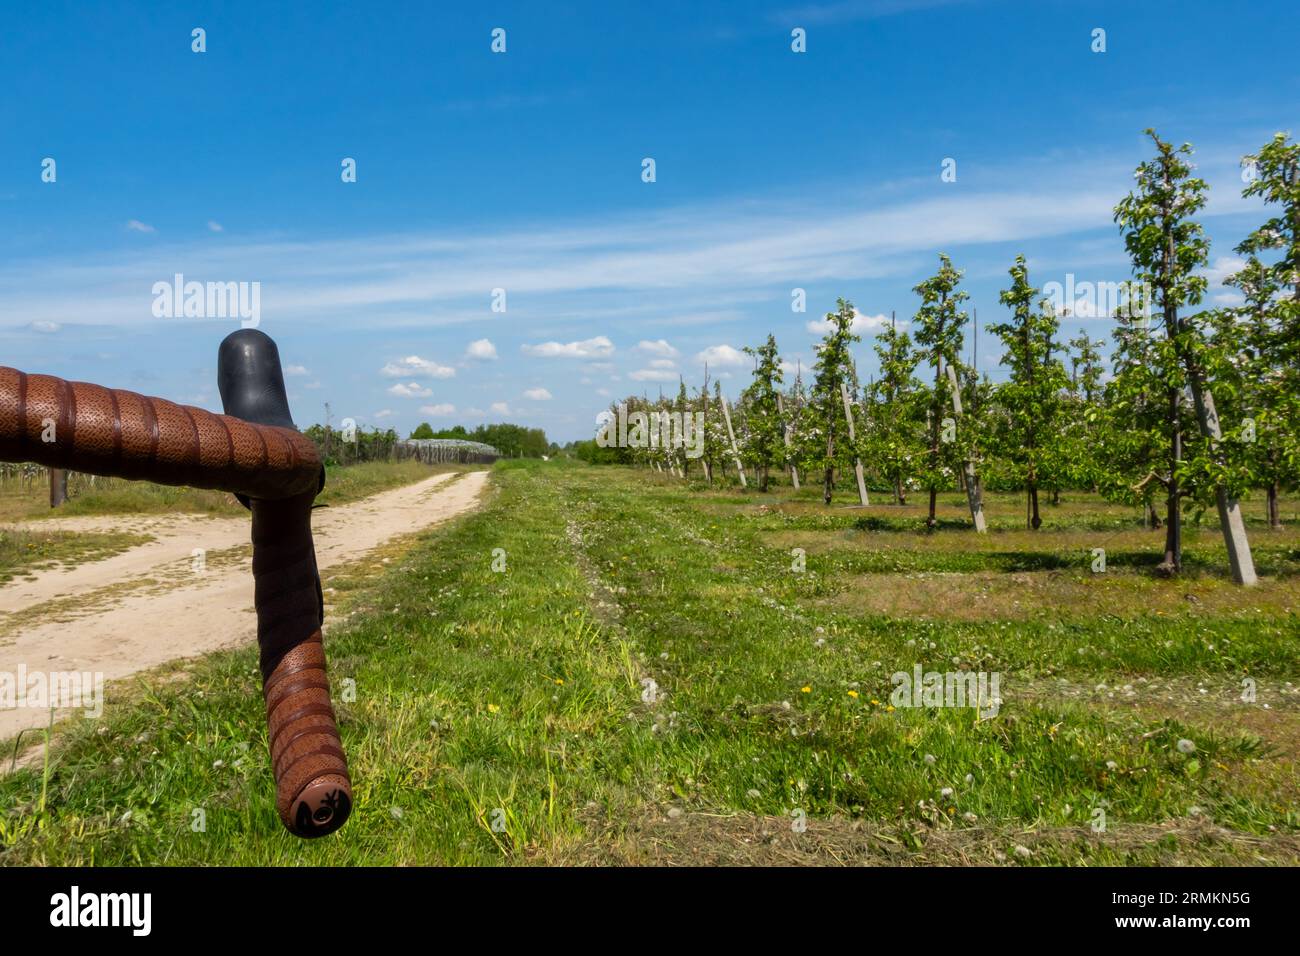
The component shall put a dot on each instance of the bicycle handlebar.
(255, 453)
(121, 434)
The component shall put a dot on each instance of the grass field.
(650, 680)
(23, 552)
(109, 496)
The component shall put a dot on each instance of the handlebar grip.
(121, 434)
(313, 792)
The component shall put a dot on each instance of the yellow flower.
(874, 702)
(559, 680)
(493, 708)
(805, 690)
(889, 709)
(853, 693)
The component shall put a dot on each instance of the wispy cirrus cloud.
(652, 269)
(854, 10)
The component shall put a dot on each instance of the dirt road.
(187, 592)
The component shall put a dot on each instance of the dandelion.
(853, 693)
(946, 792)
(1185, 746)
(929, 759)
(493, 708)
(805, 689)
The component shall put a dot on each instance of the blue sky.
(522, 171)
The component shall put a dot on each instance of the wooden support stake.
(787, 428)
(857, 461)
(1230, 520)
(735, 452)
(974, 497)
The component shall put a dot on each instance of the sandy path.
(148, 605)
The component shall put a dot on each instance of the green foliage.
(939, 339)
(894, 440)
(1027, 427)
(825, 411)
(764, 432)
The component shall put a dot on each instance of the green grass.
(24, 552)
(525, 698)
(113, 496)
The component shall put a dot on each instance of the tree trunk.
(930, 522)
(1173, 560)
(1274, 511)
(828, 481)
(1035, 520)
(58, 487)
(899, 496)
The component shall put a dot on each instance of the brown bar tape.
(313, 793)
(118, 433)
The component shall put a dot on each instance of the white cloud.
(438, 411)
(296, 370)
(679, 262)
(499, 408)
(722, 356)
(135, 225)
(653, 375)
(410, 390)
(598, 347)
(862, 324)
(383, 413)
(481, 349)
(47, 327)
(658, 347)
(414, 365)
(662, 363)
(1222, 267)
(314, 385)
(215, 226)
(538, 395)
